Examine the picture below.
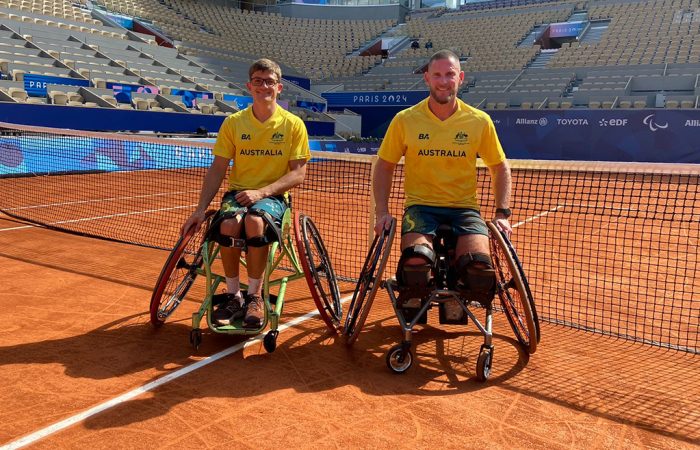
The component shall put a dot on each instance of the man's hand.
(249, 197)
(195, 220)
(503, 225)
(383, 222)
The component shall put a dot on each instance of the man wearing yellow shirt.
(269, 148)
(440, 138)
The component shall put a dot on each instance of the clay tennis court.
(81, 365)
(611, 257)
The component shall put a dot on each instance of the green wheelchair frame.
(195, 253)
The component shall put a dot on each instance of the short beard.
(450, 97)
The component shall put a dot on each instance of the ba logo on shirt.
(422, 136)
(245, 137)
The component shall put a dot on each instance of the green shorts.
(274, 206)
(426, 220)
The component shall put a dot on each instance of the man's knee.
(476, 273)
(230, 227)
(254, 223)
(228, 234)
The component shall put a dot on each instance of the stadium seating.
(646, 57)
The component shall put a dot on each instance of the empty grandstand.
(191, 57)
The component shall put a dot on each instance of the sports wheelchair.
(455, 305)
(195, 252)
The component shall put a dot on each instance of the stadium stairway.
(529, 40)
(541, 60)
(395, 33)
(595, 32)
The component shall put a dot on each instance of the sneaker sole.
(230, 320)
(252, 323)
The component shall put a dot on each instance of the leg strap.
(223, 239)
(272, 231)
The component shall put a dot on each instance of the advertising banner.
(303, 83)
(35, 85)
(241, 101)
(189, 98)
(122, 92)
(379, 98)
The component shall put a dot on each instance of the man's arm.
(210, 186)
(500, 183)
(382, 179)
(296, 174)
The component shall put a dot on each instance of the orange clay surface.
(75, 333)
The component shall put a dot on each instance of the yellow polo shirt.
(440, 156)
(261, 151)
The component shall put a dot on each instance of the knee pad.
(415, 275)
(476, 274)
(257, 241)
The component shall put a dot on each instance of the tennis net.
(608, 248)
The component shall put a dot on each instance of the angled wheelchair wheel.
(526, 284)
(178, 273)
(368, 283)
(512, 292)
(318, 271)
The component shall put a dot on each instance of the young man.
(440, 138)
(269, 148)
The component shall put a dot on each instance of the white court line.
(116, 401)
(110, 199)
(20, 228)
(109, 216)
(537, 216)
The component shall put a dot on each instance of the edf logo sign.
(612, 122)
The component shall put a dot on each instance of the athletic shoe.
(228, 311)
(256, 312)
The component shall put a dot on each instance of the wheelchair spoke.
(318, 271)
(178, 273)
(512, 291)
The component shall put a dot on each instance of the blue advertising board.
(646, 135)
(125, 21)
(35, 84)
(122, 92)
(362, 148)
(566, 29)
(379, 98)
(189, 98)
(28, 156)
(312, 106)
(241, 101)
(303, 83)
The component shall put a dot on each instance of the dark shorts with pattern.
(274, 206)
(426, 220)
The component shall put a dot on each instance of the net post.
(372, 205)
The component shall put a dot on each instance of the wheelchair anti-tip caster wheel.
(196, 338)
(483, 364)
(270, 341)
(399, 359)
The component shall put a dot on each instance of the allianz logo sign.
(543, 121)
(692, 123)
